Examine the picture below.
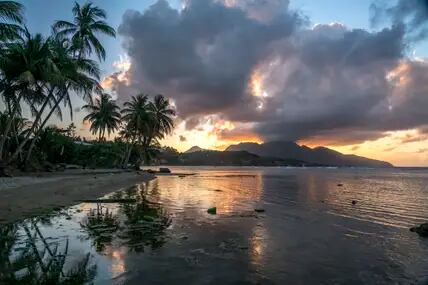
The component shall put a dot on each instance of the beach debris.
(421, 230)
(354, 202)
(212, 211)
(339, 185)
(164, 170)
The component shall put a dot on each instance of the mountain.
(195, 149)
(318, 155)
(229, 158)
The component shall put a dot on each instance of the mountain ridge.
(317, 155)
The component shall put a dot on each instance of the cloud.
(258, 65)
(182, 138)
(412, 13)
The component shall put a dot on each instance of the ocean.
(312, 226)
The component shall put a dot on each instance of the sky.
(349, 75)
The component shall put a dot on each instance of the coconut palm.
(163, 114)
(25, 66)
(87, 22)
(10, 20)
(70, 74)
(103, 115)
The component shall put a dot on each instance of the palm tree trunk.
(27, 137)
(8, 127)
(128, 156)
(21, 146)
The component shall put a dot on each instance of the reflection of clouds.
(227, 191)
(117, 256)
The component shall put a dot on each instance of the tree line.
(44, 73)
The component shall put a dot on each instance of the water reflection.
(309, 233)
(27, 257)
(137, 225)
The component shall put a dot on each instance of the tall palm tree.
(87, 22)
(103, 115)
(80, 39)
(70, 74)
(138, 118)
(163, 115)
(10, 20)
(147, 122)
(25, 67)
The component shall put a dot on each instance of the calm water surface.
(310, 232)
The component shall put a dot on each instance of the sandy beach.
(26, 196)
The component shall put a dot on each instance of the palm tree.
(163, 114)
(103, 115)
(87, 23)
(10, 20)
(25, 65)
(69, 74)
(137, 117)
(88, 20)
(146, 123)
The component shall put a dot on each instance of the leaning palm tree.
(88, 21)
(70, 74)
(103, 115)
(25, 67)
(80, 39)
(10, 20)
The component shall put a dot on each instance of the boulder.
(421, 230)
(164, 170)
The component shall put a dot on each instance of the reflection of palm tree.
(146, 222)
(101, 224)
(137, 224)
(38, 262)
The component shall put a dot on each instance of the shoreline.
(27, 196)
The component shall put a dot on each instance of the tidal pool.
(310, 232)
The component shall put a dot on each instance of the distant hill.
(229, 158)
(318, 155)
(195, 149)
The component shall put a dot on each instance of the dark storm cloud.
(327, 83)
(412, 13)
(203, 55)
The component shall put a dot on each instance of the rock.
(151, 171)
(212, 211)
(259, 210)
(421, 230)
(164, 170)
(340, 185)
(354, 202)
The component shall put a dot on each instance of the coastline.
(28, 196)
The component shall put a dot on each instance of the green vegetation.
(42, 74)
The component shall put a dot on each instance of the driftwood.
(108, 201)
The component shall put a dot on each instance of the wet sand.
(27, 196)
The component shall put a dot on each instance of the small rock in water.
(259, 210)
(421, 230)
(164, 170)
(212, 211)
(354, 202)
